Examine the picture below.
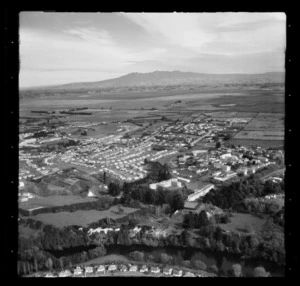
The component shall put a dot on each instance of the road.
(273, 173)
(207, 134)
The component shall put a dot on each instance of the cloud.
(216, 33)
(180, 29)
(66, 45)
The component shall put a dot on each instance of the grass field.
(106, 259)
(239, 223)
(53, 201)
(260, 135)
(252, 142)
(81, 218)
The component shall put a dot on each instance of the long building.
(200, 193)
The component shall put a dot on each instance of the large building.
(169, 184)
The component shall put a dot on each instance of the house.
(112, 268)
(191, 205)
(49, 274)
(189, 274)
(144, 269)
(133, 268)
(89, 270)
(77, 271)
(101, 269)
(225, 156)
(242, 170)
(167, 271)
(65, 273)
(155, 270)
(177, 273)
(199, 193)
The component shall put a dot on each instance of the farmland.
(53, 201)
(81, 218)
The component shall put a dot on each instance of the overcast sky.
(57, 48)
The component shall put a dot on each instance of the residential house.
(49, 275)
(112, 268)
(89, 270)
(167, 271)
(144, 269)
(77, 271)
(189, 274)
(155, 270)
(133, 268)
(65, 273)
(101, 269)
(177, 273)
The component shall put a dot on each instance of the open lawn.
(243, 223)
(251, 142)
(107, 259)
(53, 201)
(81, 218)
(260, 135)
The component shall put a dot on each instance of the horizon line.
(77, 82)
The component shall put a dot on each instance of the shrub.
(186, 263)
(198, 264)
(260, 272)
(137, 255)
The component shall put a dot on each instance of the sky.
(58, 48)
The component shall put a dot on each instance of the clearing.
(243, 223)
(81, 218)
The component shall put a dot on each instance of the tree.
(218, 145)
(49, 263)
(114, 189)
(177, 202)
(149, 196)
(203, 218)
(165, 258)
(137, 255)
(237, 270)
(260, 272)
(214, 268)
(186, 263)
(198, 264)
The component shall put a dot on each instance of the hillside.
(162, 78)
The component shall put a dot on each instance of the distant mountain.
(161, 78)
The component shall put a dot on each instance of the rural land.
(153, 174)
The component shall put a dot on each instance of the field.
(242, 223)
(264, 126)
(260, 135)
(266, 121)
(106, 259)
(81, 218)
(252, 142)
(53, 201)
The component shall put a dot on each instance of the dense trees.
(137, 256)
(194, 220)
(114, 189)
(198, 264)
(142, 193)
(165, 258)
(233, 195)
(236, 270)
(260, 272)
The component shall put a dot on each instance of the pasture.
(54, 201)
(260, 135)
(81, 218)
(242, 223)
